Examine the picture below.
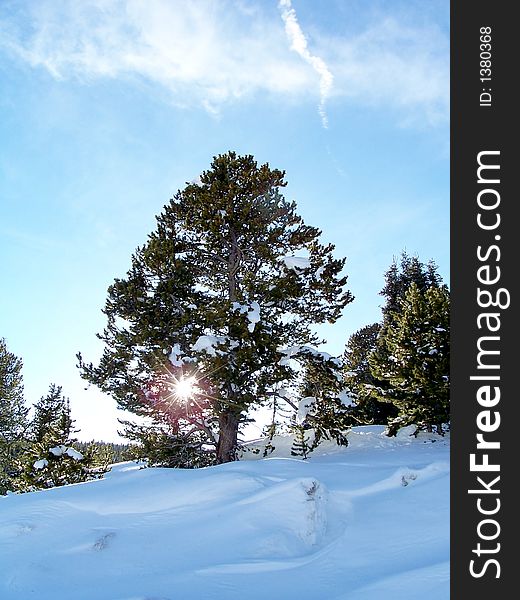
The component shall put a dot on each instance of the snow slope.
(363, 523)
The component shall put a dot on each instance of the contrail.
(299, 45)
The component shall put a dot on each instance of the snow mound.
(296, 512)
(365, 522)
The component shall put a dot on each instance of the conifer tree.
(106, 453)
(230, 282)
(52, 420)
(302, 444)
(417, 353)
(50, 459)
(360, 380)
(322, 412)
(400, 277)
(13, 418)
(398, 280)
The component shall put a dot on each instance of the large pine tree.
(414, 357)
(216, 307)
(13, 417)
(401, 275)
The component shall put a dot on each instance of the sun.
(185, 388)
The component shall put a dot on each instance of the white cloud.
(204, 52)
(299, 45)
(396, 66)
(213, 52)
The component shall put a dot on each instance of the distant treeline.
(107, 452)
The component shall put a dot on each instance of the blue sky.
(108, 107)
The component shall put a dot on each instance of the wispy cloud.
(211, 53)
(205, 52)
(299, 45)
(397, 66)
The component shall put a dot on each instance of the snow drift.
(363, 523)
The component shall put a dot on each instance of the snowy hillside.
(368, 522)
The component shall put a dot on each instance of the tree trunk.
(228, 437)
(229, 419)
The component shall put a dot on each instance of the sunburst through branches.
(185, 388)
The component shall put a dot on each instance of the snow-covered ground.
(369, 522)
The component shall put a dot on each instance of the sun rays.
(185, 388)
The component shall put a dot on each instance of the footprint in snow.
(405, 479)
(103, 541)
(26, 528)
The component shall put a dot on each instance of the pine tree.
(301, 445)
(361, 381)
(400, 277)
(398, 280)
(229, 283)
(322, 413)
(417, 353)
(107, 453)
(52, 419)
(167, 448)
(13, 418)
(51, 459)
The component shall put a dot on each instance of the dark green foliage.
(322, 415)
(165, 449)
(13, 418)
(282, 410)
(398, 371)
(400, 277)
(51, 458)
(13, 412)
(48, 467)
(357, 351)
(416, 352)
(301, 446)
(208, 297)
(106, 453)
(52, 420)
(361, 382)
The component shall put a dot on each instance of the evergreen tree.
(107, 453)
(302, 444)
(229, 283)
(398, 280)
(52, 420)
(282, 413)
(165, 447)
(400, 277)
(322, 414)
(417, 353)
(51, 459)
(13, 418)
(361, 381)
(358, 348)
